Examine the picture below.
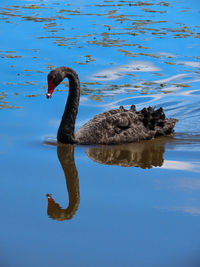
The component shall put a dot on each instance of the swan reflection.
(145, 154)
(66, 157)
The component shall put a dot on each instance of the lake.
(128, 205)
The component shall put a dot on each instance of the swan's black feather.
(125, 126)
(116, 126)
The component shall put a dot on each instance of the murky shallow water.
(135, 205)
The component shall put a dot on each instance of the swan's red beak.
(51, 87)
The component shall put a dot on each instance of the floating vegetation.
(49, 25)
(154, 11)
(31, 83)
(126, 31)
(32, 95)
(9, 54)
(148, 83)
(69, 11)
(88, 59)
(126, 53)
(50, 66)
(163, 3)
(35, 18)
(182, 85)
(31, 7)
(138, 54)
(36, 71)
(96, 98)
(91, 83)
(170, 63)
(5, 104)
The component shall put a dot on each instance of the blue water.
(135, 205)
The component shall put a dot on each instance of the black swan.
(116, 126)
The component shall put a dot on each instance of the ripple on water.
(50, 141)
(195, 92)
(136, 52)
(116, 73)
(140, 100)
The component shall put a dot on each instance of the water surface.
(129, 205)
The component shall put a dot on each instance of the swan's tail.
(155, 120)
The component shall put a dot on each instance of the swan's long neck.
(66, 129)
(66, 158)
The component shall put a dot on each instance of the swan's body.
(115, 126)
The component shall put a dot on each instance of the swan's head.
(54, 78)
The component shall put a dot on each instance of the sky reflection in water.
(133, 205)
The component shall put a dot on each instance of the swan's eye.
(51, 79)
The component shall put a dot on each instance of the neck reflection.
(145, 154)
(66, 157)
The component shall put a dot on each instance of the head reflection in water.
(66, 157)
(146, 154)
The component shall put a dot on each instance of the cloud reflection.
(181, 165)
(187, 209)
(180, 78)
(117, 72)
(193, 64)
